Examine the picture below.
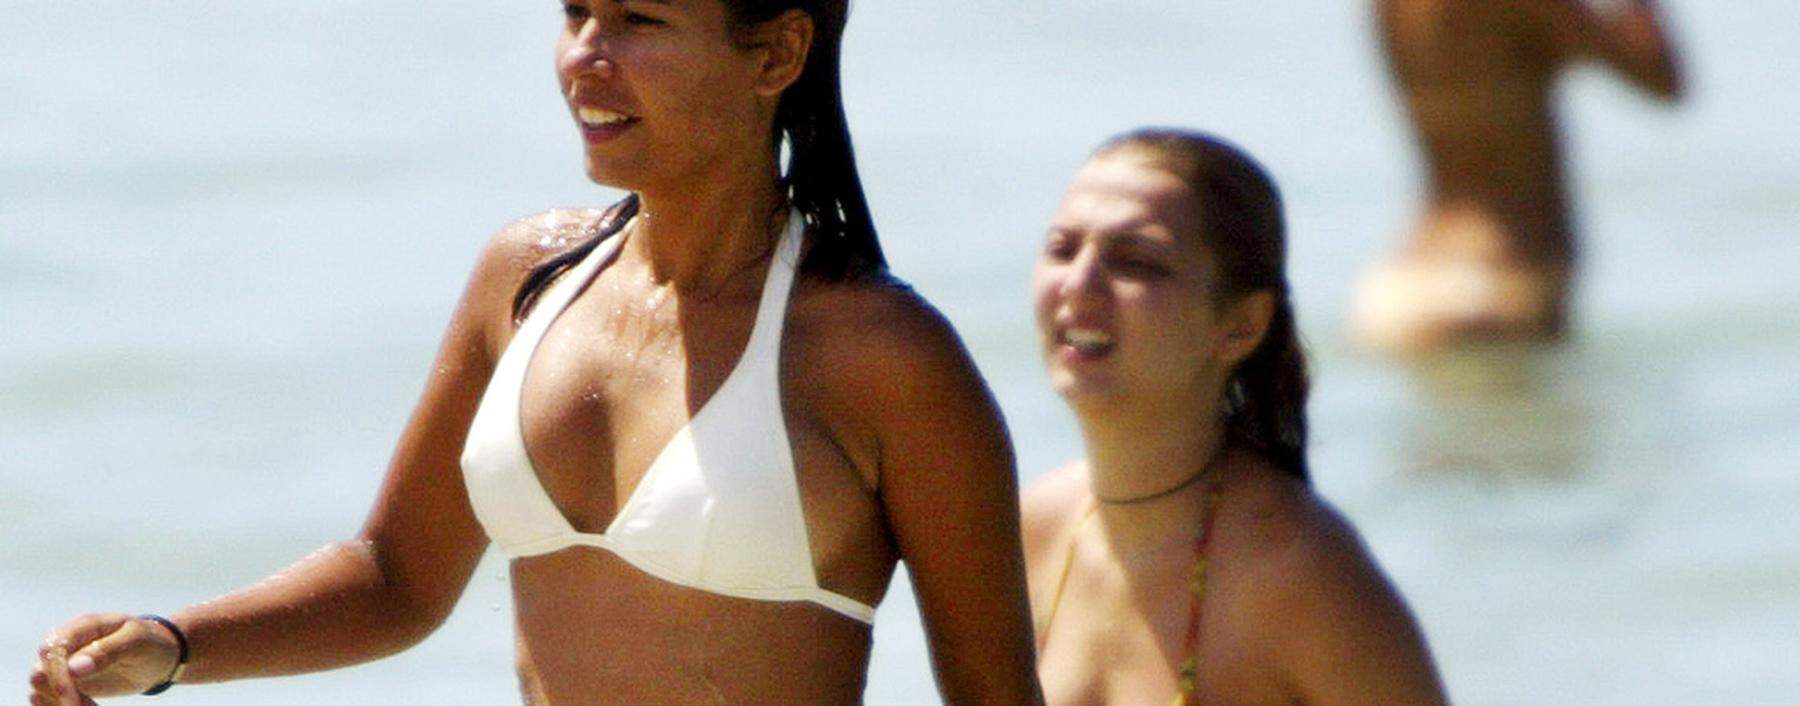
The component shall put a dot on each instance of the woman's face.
(1124, 290)
(660, 91)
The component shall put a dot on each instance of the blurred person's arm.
(352, 601)
(1630, 38)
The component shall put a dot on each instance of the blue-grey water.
(231, 232)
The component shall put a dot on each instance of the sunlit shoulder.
(880, 360)
(508, 258)
(1051, 505)
(1327, 616)
(527, 241)
(1277, 524)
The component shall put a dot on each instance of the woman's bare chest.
(1121, 639)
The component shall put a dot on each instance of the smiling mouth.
(599, 125)
(1090, 343)
(601, 117)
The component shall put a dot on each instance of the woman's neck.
(698, 235)
(1149, 471)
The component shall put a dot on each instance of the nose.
(589, 53)
(1083, 278)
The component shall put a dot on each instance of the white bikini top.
(719, 510)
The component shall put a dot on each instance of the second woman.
(1186, 558)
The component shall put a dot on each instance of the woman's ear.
(782, 45)
(1245, 322)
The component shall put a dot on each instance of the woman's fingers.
(97, 656)
(52, 681)
(61, 687)
(41, 693)
(67, 693)
(128, 660)
(75, 634)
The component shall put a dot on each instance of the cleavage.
(612, 381)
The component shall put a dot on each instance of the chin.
(604, 176)
(1075, 389)
(613, 172)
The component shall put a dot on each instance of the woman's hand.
(352, 601)
(102, 655)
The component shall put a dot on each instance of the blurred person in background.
(1186, 557)
(1494, 254)
(738, 421)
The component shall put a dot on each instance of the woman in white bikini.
(1185, 557)
(704, 424)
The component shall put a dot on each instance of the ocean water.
(230, 234)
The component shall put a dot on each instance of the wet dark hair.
(1244, 231)
(820, 178)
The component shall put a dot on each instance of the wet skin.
(898, 448)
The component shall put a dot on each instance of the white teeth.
(597, 116)
(1087, 338)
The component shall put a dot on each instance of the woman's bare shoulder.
(885, 372)
(870, 303)
(1284, 529)
(508, 258)
(1328, 619)
(1307, 564)
(1053, 503)
(878, 329)
(526, 242)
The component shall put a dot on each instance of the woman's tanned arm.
(356, 600)
(398, 580)
(948, 487)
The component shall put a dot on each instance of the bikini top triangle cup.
(719, 509)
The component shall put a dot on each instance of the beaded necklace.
(1187, 681)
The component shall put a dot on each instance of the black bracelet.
(180, 659)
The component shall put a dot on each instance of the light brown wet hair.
(1243, 229)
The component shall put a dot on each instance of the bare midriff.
(593, 629)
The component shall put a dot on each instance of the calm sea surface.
(231, 232)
